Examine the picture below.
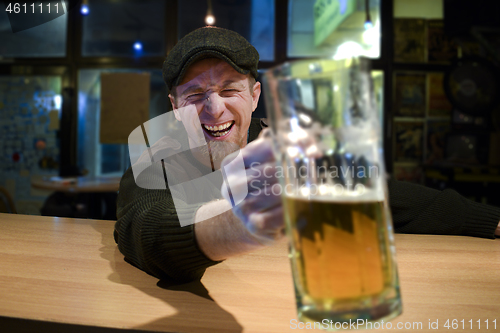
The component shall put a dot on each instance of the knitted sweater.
(150, 237)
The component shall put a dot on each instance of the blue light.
(343, 6)
(368, 24)
(84, 10)
(138, 46)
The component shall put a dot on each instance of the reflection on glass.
(107, 159)
(253, 19)
(46, 40)
(378, 91)
(118, 28)
(342, 28)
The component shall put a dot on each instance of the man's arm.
(224, 235)
(149, 235)
(418, 209)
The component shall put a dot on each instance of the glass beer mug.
(327, 138)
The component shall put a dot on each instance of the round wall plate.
(472, 85)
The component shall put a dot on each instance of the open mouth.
(218, 130)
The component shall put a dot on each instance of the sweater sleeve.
(148, 231)
(149, 235)
(421, 210)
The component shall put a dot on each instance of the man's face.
(224, 102)
(223, 99)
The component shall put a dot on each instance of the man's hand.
(497, 232)
(261, 212)
(256, 221)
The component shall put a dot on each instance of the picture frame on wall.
(436, 133)
(440, 48)
(438, 104)
(410, 94)
(409, 141)
(409, 40)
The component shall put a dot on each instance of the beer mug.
(327, 139)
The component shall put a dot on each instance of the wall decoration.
(409, 94)
(409, 40)
(440, 48)
(438, 103)
(409, 144)
(437, 131)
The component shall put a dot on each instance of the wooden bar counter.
(77, 184)
(67, 275)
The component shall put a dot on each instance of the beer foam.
(337, 194)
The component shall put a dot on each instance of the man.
(213, 71)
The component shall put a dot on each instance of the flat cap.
(209, 42)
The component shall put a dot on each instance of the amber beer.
(340, 256)
(337, 216)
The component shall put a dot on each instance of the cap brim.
(206, 54)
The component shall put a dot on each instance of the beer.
(339, 253)
(337, 218)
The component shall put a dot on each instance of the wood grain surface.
(67, 275)
(79, 185)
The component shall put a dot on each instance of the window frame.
(74, 61)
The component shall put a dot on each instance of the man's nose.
(215, 105)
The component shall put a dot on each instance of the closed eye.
(195, 97)
(229, 92)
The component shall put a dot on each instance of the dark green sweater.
(149, 235)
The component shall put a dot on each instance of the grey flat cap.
(209, 42)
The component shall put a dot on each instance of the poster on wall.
(436, 140)
(124, 105)
(408, 136)
(438, 103)
(440, 48)
(409, 94)
(409, 40)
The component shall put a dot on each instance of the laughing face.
(224, 100)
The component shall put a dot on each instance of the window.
(253, 19)
(30, 108)
(108, 159)
(124, 28)
(349, 35)
(45, 40)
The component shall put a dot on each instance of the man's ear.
(174, 108)
(256, 95)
